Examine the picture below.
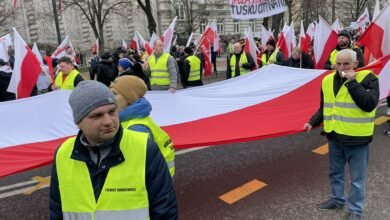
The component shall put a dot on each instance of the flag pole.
(56, 21)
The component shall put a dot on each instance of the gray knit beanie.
(87, 96)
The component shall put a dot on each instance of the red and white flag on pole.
(168, 36)
(124, 45)
(265, 36)
(214, 27)
(337, 26)
(189, 40)
(153, 39)
(250, 45)
(325, 40)
(310, 31)
(5, 42)
(377, 36)
(95, 46)
(26, 69)
(145, 44)
(363, 21)
(134, 43)
(205, 47)
(286, 41)
(61, 50)
(304, 41)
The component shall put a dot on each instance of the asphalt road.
(296, 179)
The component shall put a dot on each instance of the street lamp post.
(56, 21)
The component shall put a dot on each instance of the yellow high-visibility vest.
(159, 74)
(195, 65)
(124, 194)
(243, 60)
(264, 60)
(68, 84)
(341, 114)
(332, 56)
(160, 137)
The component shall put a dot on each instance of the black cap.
(188, 50)
(344, 33)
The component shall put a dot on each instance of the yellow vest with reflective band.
(341, 114)
(123, 195)
(68, 84)
(159, 74)
(332, 56)
(230, 48)
(194, 68)
(264, 60)
(243, 60)
(160, 137)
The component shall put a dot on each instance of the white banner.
(252, 9)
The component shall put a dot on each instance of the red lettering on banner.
(60, 51)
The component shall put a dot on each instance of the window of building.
(236, 26)
(220, 27)
(202, 27)
(252, 24)
(180, 12)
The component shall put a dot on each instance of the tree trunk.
(276, 22)
(265, 22)
(333, 10)
(101, 40)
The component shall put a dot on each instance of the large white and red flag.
(124, 45)
(167, 37)
(250, 45)
(26, 69)
(325, 40)
(205, 48)
(247, 112)
(363, 21)
(5, 43)
(145, 44)
(337, 26)
(377, 36)
(216, 41)
(304, 41)
(61, 50)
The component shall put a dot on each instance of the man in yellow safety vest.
(240, 62)
(347, 109)
(107, 172)
(68, 77)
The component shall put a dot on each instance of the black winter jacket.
(161, 195)
(107, 72)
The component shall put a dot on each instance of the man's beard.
(343, 44)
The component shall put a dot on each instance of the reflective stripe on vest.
(243, 60)
(124, 194)
(264, 60)
(341, 114)
(332, 57)
(68, 84)
(194, 68)
(160, 137)
(159, 74)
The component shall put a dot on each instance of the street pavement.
(296, 179)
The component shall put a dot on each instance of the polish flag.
(325, 41)
(363, 20)
(303, 40)
(377, 36)
(124, 45)
(246, 113)
(61, 50)
(134, 43)
(95, 46)
(145, 44)
(216, 41)
(286, 41)
(168, 36)
(26, 69)
(310, 31)
(37, 53)
(205, 47)
(337, 26)
(250, 45)
(265, 36)
(153, 39)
